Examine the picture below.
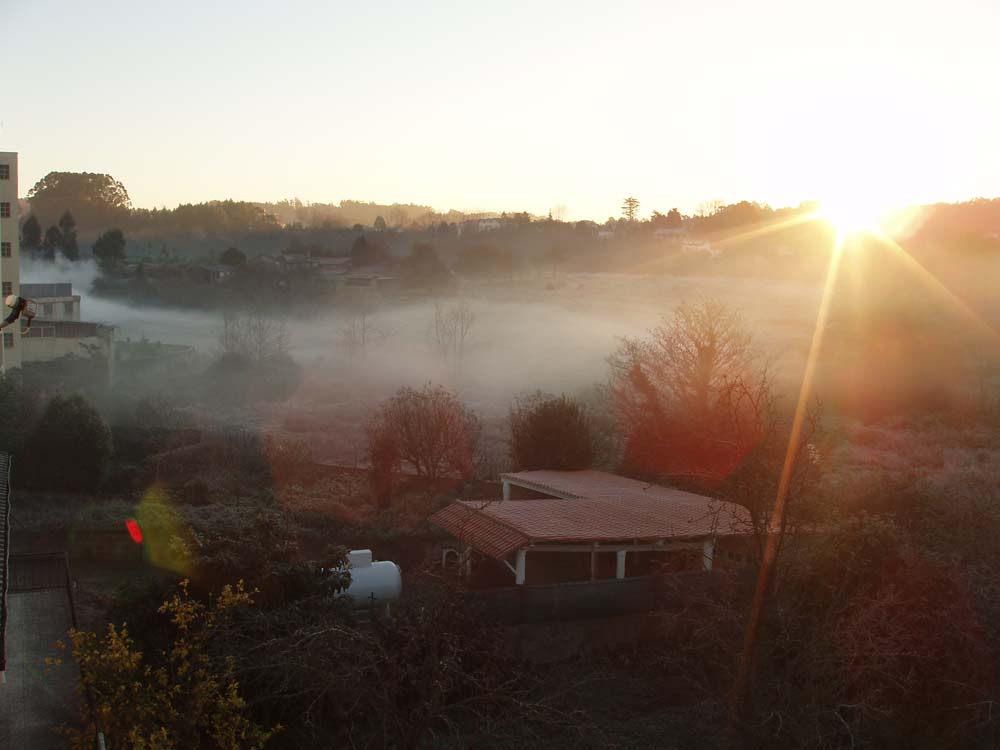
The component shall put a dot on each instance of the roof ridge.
(502, 522)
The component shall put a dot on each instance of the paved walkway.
(37, 699)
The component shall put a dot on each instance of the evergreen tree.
(67, 227)
(31, 232)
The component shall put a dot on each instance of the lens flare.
(133, 530)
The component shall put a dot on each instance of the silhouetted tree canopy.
(97, 200)
(18, 413)
(550, 432)
(233, 256)
(52, 242)
(734, 215)
(213, 219)
(365, 252)
(424, 267)
(67, 228)
(486, 260)
(70, 448)
(109, 249)
(630, 208)
(671, 220)
(31, 232)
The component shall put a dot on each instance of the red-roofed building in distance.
(562, 526)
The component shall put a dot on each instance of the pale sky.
(509, 106)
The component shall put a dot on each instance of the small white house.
(699, 247)
(667, 233)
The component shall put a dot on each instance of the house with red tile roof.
(575, 525)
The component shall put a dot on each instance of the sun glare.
(851, 214)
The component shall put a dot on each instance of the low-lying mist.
(549, 332)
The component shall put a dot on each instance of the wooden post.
(521, 567)
(620, 564)
(708, 554)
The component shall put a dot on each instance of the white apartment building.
(10, 256)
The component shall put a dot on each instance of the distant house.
(375, 278)
(699, 247)
(667, 233)
(217, 274)
(148, 357)
(341, 262)
(606, 234)
(53, 301)
(268, 261)
(482, 225)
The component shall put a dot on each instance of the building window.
(8, 340)
(5, 249)
(68, 309)
(4, 210)
(47, 309)
(4, 171)
(7, 288)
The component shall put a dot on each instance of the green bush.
(70, 450)
(550, 432)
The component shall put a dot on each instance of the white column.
(521, 567)
(506, 490)
(620, 564)
(708, 553)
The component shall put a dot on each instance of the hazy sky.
(509, 106)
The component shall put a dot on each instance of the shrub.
(550, 432)
(394, 683)
(182, 697)
(430, 431)
(70, 449)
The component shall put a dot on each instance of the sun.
(853, 214)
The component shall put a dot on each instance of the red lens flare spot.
(134, 531)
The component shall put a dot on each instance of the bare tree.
(361, 330)
(451, 329)
(710, 207)
(430, 431)
(253, 335)
(685, 362)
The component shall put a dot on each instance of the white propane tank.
(373, 583)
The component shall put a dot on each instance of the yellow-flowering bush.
(184, 698)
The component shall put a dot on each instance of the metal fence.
(39, 571)
(42, 571)
(517, 605)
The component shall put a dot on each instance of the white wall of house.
(47, 348)
(43, 345)
(58, 308)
